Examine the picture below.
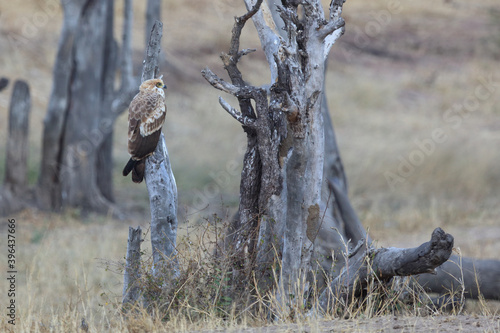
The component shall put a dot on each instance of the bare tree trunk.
(162, 190)
(289, 134)
(76, 161)
(153, 13)
(160, 180)
(17, 141)
(49, 187)
(13, 194)
(78, 175)
(132, 273)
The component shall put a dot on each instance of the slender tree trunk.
(153, 14)
(16, 162)
(49, 186)
(132, 272)
(14, 193)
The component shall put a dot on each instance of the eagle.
(146, 116)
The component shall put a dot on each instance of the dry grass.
(384, 95)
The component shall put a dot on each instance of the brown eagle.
(146, 116)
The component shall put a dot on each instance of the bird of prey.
(146, 116)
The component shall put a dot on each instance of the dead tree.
(15, 184)
(76, 158)
(162, 191)
(287, 184)
(293, 190)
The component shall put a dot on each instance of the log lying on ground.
(480, 277)
(385, 263)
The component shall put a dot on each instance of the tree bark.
(132, 272)
(383, 264)
(475, 276)
(162, 192)
(49, 187)
(153, 14)
(288, 133)
(78, 174)
(76, 168)
(160, 181)
(17, 141)
(13, 194)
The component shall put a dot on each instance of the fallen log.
(383, 264)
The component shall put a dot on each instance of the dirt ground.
(461, 323)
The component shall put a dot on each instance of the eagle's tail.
(130, 165)
(138, 171)
(137, 167)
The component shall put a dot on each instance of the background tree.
(76, 159)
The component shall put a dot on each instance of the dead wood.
(132, 272)
(383, 264)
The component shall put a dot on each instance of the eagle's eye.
(159, 84)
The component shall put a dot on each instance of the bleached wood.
(162, 191)
(160, 181)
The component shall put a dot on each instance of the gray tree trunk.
(160, 180)
(153, 14)
(14, 194)
(162, 191)
(49, 186)
(289, 133)
(16, 162)
(76, 168)
(132, 271)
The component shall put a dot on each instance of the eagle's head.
(153, 85)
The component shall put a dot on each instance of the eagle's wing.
(145, 120)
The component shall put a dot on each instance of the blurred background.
(414, 94)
